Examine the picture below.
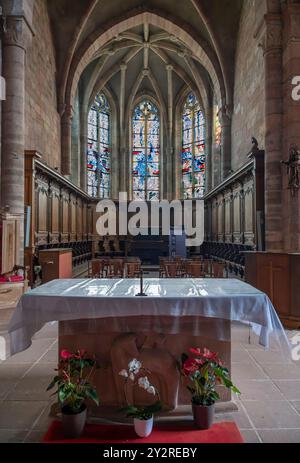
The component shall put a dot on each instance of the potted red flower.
(73, 382)
(205, 371)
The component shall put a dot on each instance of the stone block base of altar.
(159, 351)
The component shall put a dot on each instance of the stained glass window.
(193, 149)
(146, 152)
(99, 149)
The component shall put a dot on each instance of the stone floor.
(269, 408)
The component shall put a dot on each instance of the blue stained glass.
(193, 150)
(99, 150)
(146, 151)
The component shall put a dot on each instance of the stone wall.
(42, 120)
(249, 91)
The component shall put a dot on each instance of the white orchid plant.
(136, 374)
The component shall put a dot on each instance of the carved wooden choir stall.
(61, 216)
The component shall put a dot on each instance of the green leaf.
(155, 408)
(92, 394)
(52, 384)
(129, 410)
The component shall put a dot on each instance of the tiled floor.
(269, 408)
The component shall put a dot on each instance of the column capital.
(169, 67)
(225, 115)
(16, 32)
(67, 114)
(123, 67)
(272, 40)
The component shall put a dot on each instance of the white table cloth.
(226, 299)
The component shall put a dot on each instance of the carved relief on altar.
(117, 341)
(148, 349)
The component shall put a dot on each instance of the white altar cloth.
(226, 299)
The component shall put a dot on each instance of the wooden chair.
(195, 270)
(207, 267)
(133, 269)
(219, 270)
(171, 269)
(162, 270)
(96, 268)
(116, 268)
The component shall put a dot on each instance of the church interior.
(137, 104)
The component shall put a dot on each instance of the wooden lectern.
(56, 264)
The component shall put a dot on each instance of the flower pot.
(73, 424)
(203, 416)
(143, 428)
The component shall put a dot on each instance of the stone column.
(209, 150)
(83, 146)
(225, 121)
(273, 143)
(291, 121)
(66, 140)
(167, 177)
(16, 38)
(122, 168)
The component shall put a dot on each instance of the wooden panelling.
(61, 213)
(277, 274)
(54, 194)
(231, 209)
(42, 209)
(65, 201)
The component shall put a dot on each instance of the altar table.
(106, 318)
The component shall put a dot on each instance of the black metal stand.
(141, 294)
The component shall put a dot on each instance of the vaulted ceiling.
(211, 24)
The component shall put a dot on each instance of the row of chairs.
(114, 268)
(191, 268)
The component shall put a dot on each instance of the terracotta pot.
(73, 425)
(203, 416)
(143, 428)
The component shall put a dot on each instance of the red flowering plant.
(73, 381)
(205, 370)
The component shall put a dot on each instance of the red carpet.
(222, 433)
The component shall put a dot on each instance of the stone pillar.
(66, 140)
(225, 121)
(122, 168)
(209, 151)
(273, 143)
(291, 121)
(83, 146)
(16, 38)
(167, 176)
